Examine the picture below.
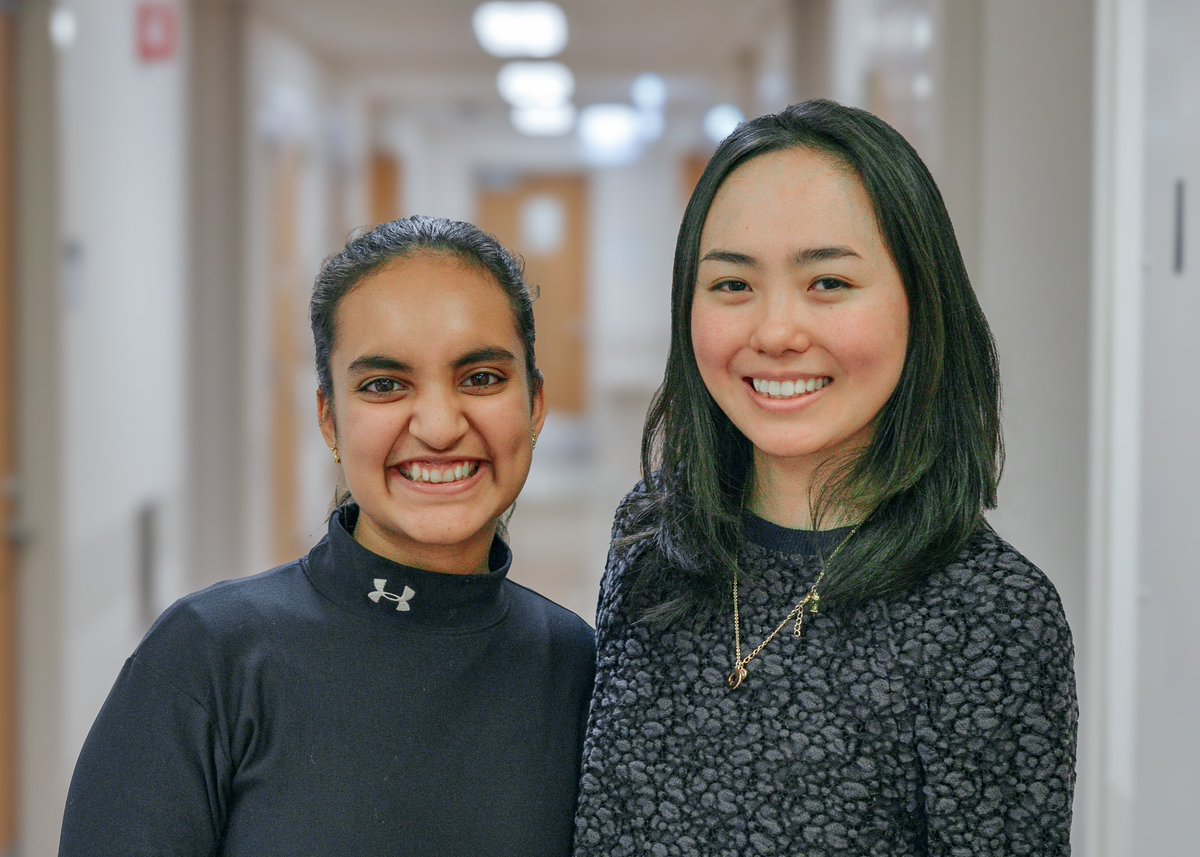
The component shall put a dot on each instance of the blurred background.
(172, 172)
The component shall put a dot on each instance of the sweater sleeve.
(148, 781)
(997, 733)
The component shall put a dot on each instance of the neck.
(442, 559)
(782, 493)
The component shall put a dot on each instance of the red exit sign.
(157, 32)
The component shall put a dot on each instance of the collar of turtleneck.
(773, 537)
(380, 590)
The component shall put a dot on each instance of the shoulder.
(990, 602)
(635, 529)
(635, 523)
(563, 625)
(227, 616)
(992, 578)
(639, 510)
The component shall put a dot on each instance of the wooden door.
(544, 218)
(8, 613)
(386, 187)
(691, 169)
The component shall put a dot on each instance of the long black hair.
(933, 463)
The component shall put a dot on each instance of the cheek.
(366, 430)
(877, 348)
(505, 423)
(710, 341)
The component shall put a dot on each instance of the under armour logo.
(401, 600)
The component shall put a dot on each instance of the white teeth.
(789, 389)
(439, 476)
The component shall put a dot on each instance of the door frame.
(1109, 740)
(8, 611)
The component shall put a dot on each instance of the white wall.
(1033, 279)
(118, 378)
(1167, 749)
(1033, 276)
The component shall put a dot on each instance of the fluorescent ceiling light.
(609, 126)
(533, 29)
(720, 121)
(544, 121)
(611, 133)
(649, 91)
(63, 27)
(535, 84)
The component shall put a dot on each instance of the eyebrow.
(487, 354)
(381, 363)
(802, 257)
(377, 363)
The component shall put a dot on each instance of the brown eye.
(381, 386)
(483, 379)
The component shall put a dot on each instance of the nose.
(781, 324)
(437, 420)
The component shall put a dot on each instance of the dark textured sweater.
(941, 722)
(342, 705)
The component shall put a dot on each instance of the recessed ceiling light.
(63, 27)
(544, 121)
(535, 84)
(720, 121)
(649, 91)
(531, 29)
(611, 133)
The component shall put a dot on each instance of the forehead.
(427, 304)
(801, 194)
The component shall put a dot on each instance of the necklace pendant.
(736, 677)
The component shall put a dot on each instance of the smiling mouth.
(438, 473)
(789, 389)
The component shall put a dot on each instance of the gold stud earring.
(533, 437)
(337, 458)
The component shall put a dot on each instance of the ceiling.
(413, 50)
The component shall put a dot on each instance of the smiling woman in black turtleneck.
(392, 692)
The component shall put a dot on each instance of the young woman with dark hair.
(392, 692)
(809, 639)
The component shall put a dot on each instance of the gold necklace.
(810, 603)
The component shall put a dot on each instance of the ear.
(325, 418)
(539, 407)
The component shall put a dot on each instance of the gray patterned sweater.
(942, 722)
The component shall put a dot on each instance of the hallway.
(172, 173)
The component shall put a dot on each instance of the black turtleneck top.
(342, 704)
